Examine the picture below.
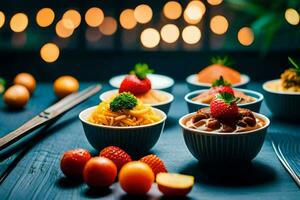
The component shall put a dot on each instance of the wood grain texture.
(37, 175)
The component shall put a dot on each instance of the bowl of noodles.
(135, 130)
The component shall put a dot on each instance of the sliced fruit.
(172, 184)
(117, 155)
(156, 164)
(136, 178)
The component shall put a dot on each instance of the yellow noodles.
(141, 114)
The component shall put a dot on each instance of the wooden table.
(37, 175)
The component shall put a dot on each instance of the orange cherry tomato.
(72, 162)
(136, 178)
(65, 85)
(99, 172)
(26, 80)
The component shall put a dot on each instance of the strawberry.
(117, 155)
(221, 86)
(137, 82)
(224, 106)
(155, 163)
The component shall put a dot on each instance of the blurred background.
(94, 40)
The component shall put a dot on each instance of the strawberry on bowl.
(138, 83)
(202, 98)
(224, 133)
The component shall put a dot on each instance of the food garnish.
(171, 184)
(124, 100)
(99, 172)
(224, 106)
(117, 155)
(291, 77)
(73, 161)
(220, 85)
(137, 82)
(136, 178)
(156, 164)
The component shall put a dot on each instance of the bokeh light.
(45, 17)
(194, 12)
(19, 22)
(214, 2)
(2, 19)
(108, 26)
(143, 13)
(74, 16)
(64, 28)
(219, 24)
(191, 34)
(246, 36)
(127, 19)
(169, 33)
(172, 10)
(49, 52)
(94, 17)
(92, 34)
(292, 16)
(150, 38)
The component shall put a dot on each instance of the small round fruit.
(26, 80)
(72, 162)
(136, 178)
(99, 172)
(117, 155)
(65, 85)
(16, 96)
(171, 184)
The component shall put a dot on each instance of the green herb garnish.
(226, 61)
(220, 82)
(228, 98)
(2, 85)
(141, 70)
(296, 67)
(124, 100)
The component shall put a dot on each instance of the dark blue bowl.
(282, 104)
(193, 84)
(253, 106)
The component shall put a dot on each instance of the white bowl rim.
(266, 119)
(162, 113)
(261, 96)
(277, 92)
(171, 80)
(170, 97)
(189, 79)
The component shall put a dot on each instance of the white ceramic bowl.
(164, 106)
(254, 106)
(282, 104)
(159, 82)
(193, 83)
(135, 139)
(224, 148)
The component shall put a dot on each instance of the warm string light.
(2, 19)
(127, 19)
(150, 38)
(191, 34)
(143, 13)
(73, 16)
(108, 26)
(19, 22)
(169, 33)
(219, 25)
(172, 10)
(194, 12)
(292, 16)
(94, 17)
(64, 28)
(246, 36)
(45, 17)
(49, 52)
(214, 2)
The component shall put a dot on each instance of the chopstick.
(285, 163)
(47, 115)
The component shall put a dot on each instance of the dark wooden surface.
(37, 175)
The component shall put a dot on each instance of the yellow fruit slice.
(172, 184)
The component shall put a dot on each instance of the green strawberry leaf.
(228, 98)
(220, 82)
(226, 61)
(141, 70)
